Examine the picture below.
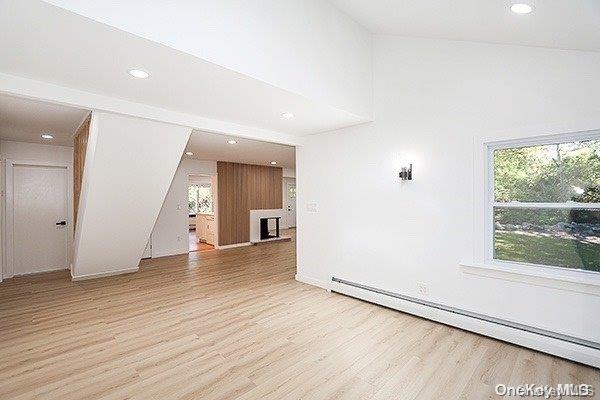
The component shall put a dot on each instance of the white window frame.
(490, 202)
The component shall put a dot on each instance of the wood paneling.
(80, 141)
(241, 188)
(235, 324)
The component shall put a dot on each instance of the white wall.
(274, 41)
(433, 99)
(170, 234)
(20, 151)
(129, 165)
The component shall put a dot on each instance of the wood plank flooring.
(194, 245)
(233, 324)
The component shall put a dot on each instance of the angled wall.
(170, 233)
(130, 163)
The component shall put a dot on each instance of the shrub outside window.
(200, 200)
(544, 203)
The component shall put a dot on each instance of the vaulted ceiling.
(50, 44)
(563, 24)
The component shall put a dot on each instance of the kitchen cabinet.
(205, 228)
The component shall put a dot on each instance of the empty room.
(299, 199)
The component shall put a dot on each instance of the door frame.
(7, 270)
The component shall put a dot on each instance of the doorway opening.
(37, 207)
(201, 213)
(289, 201)
(38, 185)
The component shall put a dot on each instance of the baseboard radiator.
(573, 348)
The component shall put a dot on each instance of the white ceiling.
(25, 120)
(50, 44)
(564, 24)
(211, 146)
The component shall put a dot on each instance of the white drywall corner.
(130, 163)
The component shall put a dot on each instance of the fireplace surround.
(259, 229)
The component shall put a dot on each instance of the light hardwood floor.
(194, 245)
(234, 324)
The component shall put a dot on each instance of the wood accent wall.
(80, 141)
(241, 188)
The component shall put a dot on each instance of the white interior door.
(290, 206)
(40, 207)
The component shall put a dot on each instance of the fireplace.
(264, 228)
(260, 222)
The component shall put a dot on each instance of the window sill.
(576, 281)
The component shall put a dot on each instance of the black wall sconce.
(406, 173)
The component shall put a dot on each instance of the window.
(544, 203)
(200, 199)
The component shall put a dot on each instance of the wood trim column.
(80, 141)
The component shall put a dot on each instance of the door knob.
(61, 223)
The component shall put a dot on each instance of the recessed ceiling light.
(287, 115)
(138, 73)
(47, 136)
(273, 162)
(232, 141)
(189, 153)
(521, 8)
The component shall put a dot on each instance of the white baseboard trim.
(312, 281)
(37, 272)
(233, 246)
(557, 347)
(103, 274)
(169, 253)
